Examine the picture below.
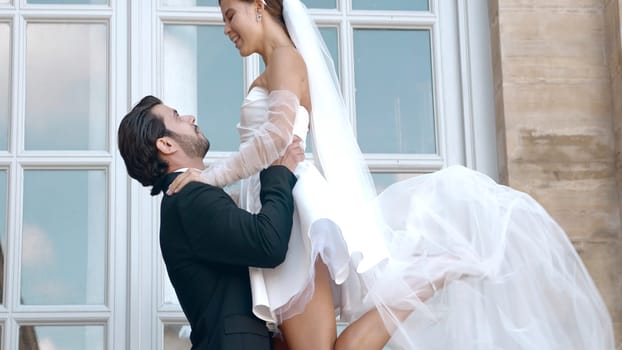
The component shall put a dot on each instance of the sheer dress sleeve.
(264, 147)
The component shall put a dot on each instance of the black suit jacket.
(208, 243)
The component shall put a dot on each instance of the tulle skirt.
(481, 266)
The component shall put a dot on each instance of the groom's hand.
(294, 154)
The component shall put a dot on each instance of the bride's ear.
(166, 145)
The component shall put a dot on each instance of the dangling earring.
(258, 17)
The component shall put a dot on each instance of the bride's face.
(241, 25)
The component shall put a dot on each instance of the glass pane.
(64, 246)
(397, 5)
(66, 86)
(320, 4)
(3, 214)
(5, 1)
(5, 87)
(394, 99)
(203, 75)
(69, 2)
(61, 337)
(384, 180)
(329, 34)
(176, 337)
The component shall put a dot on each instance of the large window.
(62, 279)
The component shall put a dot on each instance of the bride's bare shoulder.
(287, 71)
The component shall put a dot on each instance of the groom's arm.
(221, 232)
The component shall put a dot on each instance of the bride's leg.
(315, 328)
(370, 332)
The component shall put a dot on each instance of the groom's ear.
(166, 145)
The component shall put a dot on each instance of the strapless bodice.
(254, 113)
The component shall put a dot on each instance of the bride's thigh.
(315, 328)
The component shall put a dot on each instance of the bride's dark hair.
(274, 8)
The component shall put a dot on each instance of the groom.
(207, 242)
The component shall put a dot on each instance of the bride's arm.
(267, 144)
(285, 76)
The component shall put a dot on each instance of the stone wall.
(613, 13)
(558, 95)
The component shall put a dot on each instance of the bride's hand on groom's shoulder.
(190, 175)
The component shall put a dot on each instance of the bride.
(449, 260)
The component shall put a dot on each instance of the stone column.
(556, 104)
(613, 18)
(613, 13)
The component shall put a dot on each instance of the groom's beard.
(193, 146)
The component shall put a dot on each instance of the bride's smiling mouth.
(235, 39)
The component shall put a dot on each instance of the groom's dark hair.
(138, 132)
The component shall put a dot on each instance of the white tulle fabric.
(268, 142)
(512, 278)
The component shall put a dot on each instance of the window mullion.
(9, 165)
(61, 13)
(347, 69)
(446, 85)
(13, 256)
(478, 95)
(11, 338)
(118, 221)
(145, 66)
(15, 174)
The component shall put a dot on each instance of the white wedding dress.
(512, 279)
(282, 292)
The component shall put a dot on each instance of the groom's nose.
(190, 119)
